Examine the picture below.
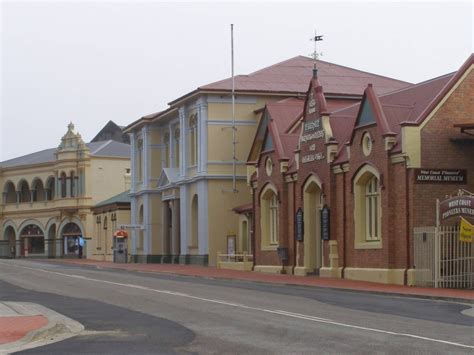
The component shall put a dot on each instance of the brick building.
(360, 178)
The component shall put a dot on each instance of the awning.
(120, 233)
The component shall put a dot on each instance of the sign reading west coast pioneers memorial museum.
(440, 176)
(457, 206)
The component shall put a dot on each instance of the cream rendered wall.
(222, 220)
(106, 177)
(106, 235)
(155, 224)
(140, 202)
(220, 134)
(155, 151)
(191, 191)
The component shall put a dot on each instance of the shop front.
(32, 241)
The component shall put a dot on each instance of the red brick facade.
(430, 109)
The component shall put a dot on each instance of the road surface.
(144, 313)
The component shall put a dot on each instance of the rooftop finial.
(70, 126)
(315, 54)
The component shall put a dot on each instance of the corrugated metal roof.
(108, 148)
(123, 197)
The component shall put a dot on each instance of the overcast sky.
(90, 62)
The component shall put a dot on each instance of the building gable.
(268, 142)
(366, 116)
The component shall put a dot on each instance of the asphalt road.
(137, 313)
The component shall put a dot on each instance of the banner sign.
(457, 206)
(299, 225)
(440, 176)
(325, 223)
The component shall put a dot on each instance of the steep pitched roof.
(292, 75)
(277, 118)
(409, 106)
(111, 131)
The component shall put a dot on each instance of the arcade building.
(47, 196)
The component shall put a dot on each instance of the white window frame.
(367, 209)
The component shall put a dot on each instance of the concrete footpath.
(25, 325)
(458, 295)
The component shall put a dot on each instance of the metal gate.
(441, 259)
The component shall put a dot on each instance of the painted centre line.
(242, 306)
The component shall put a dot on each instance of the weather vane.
(316, 39)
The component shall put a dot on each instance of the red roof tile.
(285, 112)
(405, 105)
(293, 75)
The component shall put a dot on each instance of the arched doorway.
(10, 236)
(312, 226)
(70, 235)
(32, 241)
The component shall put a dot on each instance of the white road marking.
(238, 305)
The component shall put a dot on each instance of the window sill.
(368, 245)
(269, 247)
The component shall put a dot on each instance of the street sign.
(131, 226)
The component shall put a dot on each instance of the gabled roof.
(409, 106)
(111, 131)
(277, 118)
(371, 100)
(168, 177)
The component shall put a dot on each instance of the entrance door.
(312, 227)
(70, 236)
(32, 241)
(71, 245)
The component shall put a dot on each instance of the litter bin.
(282, 253)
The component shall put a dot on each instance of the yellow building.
(48, 195)
(109, 216)
(187, 173)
